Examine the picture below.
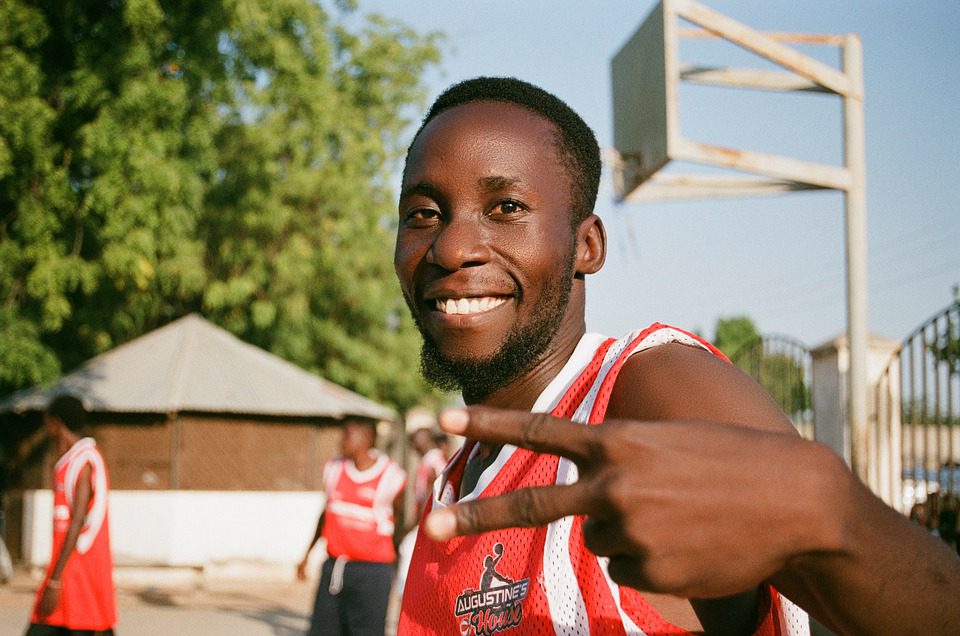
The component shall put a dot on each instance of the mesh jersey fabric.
(536, 581)
(358, 518)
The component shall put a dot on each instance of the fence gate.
(782, 366)
(926, 375)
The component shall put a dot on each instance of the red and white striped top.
(544, 580)
(87, 596)
(358, 519)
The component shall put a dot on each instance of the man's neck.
(523, 391)
(66, 441)
(364, 460)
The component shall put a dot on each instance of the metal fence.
(925, 375)
(782, 366)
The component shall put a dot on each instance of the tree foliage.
(947, 349)
(231, 157)
(779, 372)
(732, 333)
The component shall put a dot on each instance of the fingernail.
(441, 525)
(454, 421)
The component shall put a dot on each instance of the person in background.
(77, 595)
(362, 489)
(432, 446)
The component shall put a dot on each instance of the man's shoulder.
(334, 461)
(658, 334)
(660, 363)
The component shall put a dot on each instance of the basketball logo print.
(497, 604)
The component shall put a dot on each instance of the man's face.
(422, 441)
(357, 439)
(485, 246)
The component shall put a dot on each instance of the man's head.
(68, 411)
(496, 232)
(574, 140)
(423, 440)
(359, 436)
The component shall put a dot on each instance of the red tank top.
(358, 519)
(536, 581)
(87, 597)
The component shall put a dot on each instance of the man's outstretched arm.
(699, 510)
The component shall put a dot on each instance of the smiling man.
(608, 465)
(486, 247)
(495, 238)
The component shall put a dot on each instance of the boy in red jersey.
(362, 488)
(660, 467)
(77, 595)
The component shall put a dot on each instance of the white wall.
(190, 528)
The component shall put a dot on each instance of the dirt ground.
(211, 608)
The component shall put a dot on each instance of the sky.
(778, 260)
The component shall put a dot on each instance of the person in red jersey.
(362, 490)
(431, 447)
(639, 485)
(77, 595)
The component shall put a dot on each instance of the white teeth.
(468, 305)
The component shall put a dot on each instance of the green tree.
(777, 369)
(730, 334)
(947, 347)
(231, 157)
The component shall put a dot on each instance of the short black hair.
(575, 142)
(69, 409)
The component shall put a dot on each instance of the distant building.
(188, 408)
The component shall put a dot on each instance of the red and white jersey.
(431, 464)
(543, 580)
(358, 519)
(87, 597)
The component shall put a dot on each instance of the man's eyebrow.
(489, 184)
(497, 182)
(422, 187)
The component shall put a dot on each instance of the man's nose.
(460, 243)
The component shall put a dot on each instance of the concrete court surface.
(222, 608)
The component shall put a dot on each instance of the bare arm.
(868, 539)
(78, 516)
(679, 382)
(401, 525)
(703, 511)
(302, 566)
(882, 574)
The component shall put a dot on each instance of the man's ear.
(591, 246)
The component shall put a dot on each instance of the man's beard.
(522, 348)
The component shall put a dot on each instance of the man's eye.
(509, 207)
(422, 215)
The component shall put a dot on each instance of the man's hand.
(694, 509)
(302, 570)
